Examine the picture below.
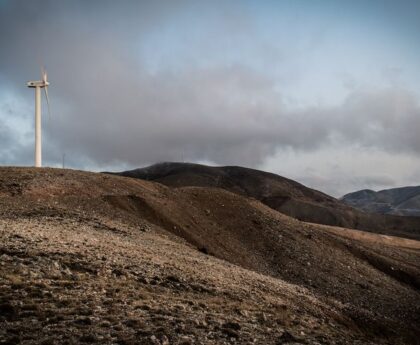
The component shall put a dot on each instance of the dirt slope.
(97, 258)
(282, 194)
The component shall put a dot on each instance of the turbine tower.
(38, 85)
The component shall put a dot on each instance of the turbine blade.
(48, 102)
(43, 74)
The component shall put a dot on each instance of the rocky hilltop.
(404, 201)
(94, 258)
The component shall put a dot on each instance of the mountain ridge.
(402, 201)
(281, 194)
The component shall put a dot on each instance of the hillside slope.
(282, 194)
(404, 201)
(88, 257)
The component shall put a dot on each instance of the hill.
(95, 258)
(404, 201)
(279, 193)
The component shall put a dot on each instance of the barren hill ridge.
(282, 194)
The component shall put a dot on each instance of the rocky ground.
(89, 258)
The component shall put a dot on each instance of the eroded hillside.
(88, 257)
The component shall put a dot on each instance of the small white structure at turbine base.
(38, 85)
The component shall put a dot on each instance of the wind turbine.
(38, 85)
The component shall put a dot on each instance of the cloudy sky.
(324, 92)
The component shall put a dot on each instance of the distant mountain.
(281, 194)
(403, 201)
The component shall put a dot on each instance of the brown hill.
(282, 194)
(88, 257)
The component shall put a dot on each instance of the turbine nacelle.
(39, 83)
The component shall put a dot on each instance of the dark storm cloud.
(109, 107)
(223, 115)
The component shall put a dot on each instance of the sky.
(325, 92)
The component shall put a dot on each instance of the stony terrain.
(93, 258)
(404, 201)
(281, 194)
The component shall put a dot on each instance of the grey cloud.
(235, 118)
(109, 108)
(347, 183)
(12, 151)
(376, 180)
(6, 141)
(384, 118)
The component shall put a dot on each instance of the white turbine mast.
(38, 85)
